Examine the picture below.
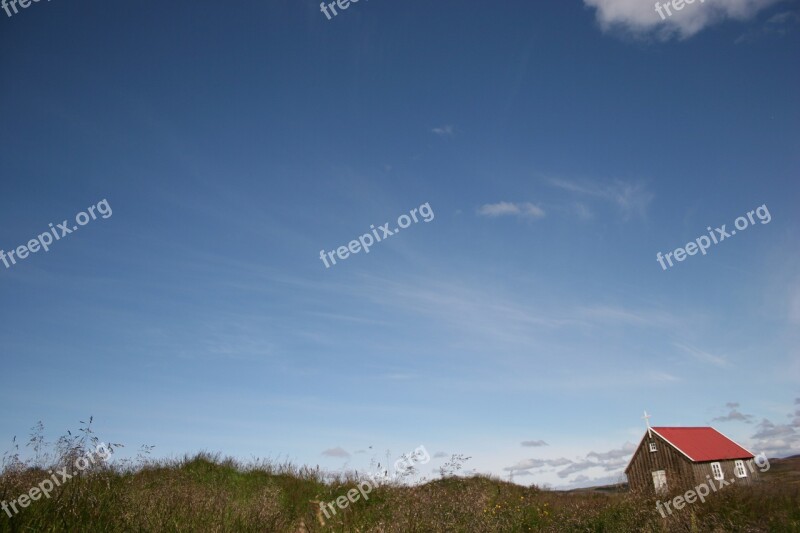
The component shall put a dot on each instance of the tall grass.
(209, 493)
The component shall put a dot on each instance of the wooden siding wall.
(702, 472)
(640, 472)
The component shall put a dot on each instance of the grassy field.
(206, 493)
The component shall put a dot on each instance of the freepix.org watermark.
(343, 4)
(44, 240)
(677, 5)
(705, 489)
(365, 241)
(5, 4)
(401, 467)
(101, 452)
(716, 236)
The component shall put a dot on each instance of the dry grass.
(209, 494)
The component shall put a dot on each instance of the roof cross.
(647, 421)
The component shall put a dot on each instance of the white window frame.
(739, 469)
(653, 447)
(716, 469)
(660, 481)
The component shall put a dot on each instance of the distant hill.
(786, 470)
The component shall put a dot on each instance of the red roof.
(703, 444)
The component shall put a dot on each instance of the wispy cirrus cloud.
(777, 25)
(701, 355)
(631, 198)
(663, 377)
(523, 210)
(641, 19)
(620, 316)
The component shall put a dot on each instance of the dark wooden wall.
(702, 472)
(640, 471)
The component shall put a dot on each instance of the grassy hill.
(206, 493)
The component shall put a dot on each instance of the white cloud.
(444, 131)
(336, 452)
(778, 439)
(525, 209)
(626, 451)
(533, 443)
(526, 464)
(640, 17)
(733, 415)
(576, 467)
(610, 461)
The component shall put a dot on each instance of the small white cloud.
(641, 18)
(626, 450)
(523, 210)
(533, 211)
(533, 443)
(733, 415)
(444, 131)
(526, 464)
(498, 209)
(576, 467)
(398, 376)
(335, 452)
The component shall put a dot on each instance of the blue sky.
(560, 146)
